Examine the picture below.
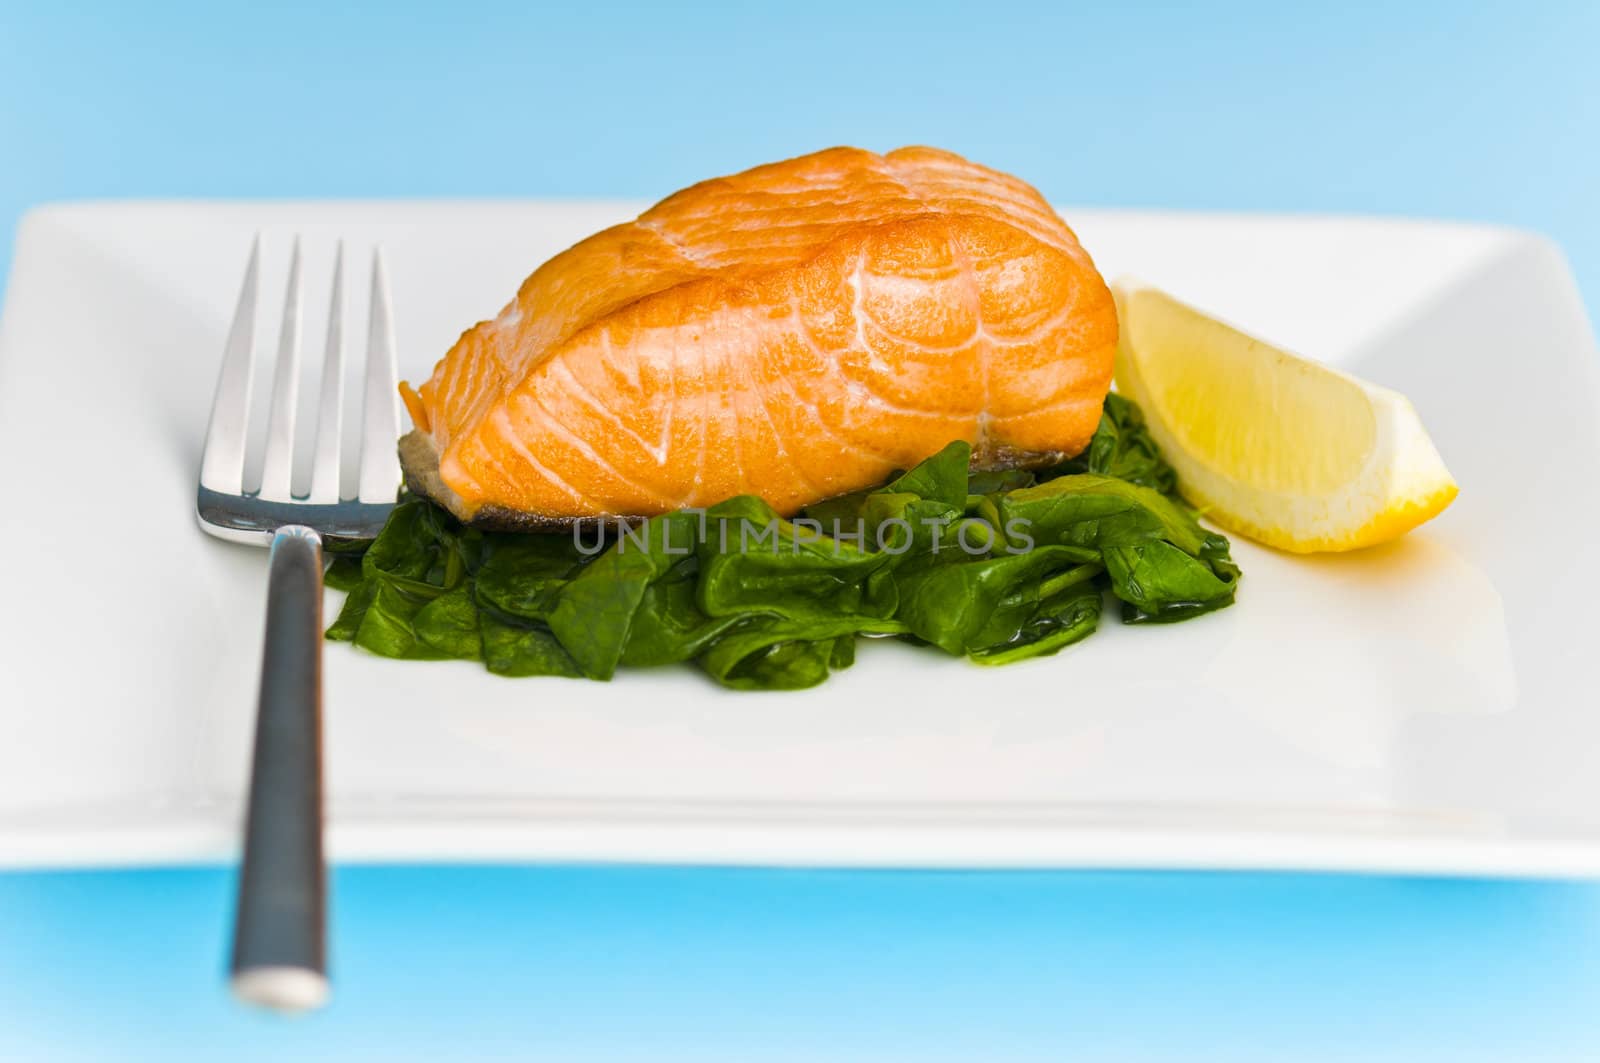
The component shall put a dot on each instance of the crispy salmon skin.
(795, 331)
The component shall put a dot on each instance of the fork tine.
(279, 465)
(325, 465)
(222, 460)
(380, 428)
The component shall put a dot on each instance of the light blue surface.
(1483, 113)
(578, 964)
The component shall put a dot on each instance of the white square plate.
(1427, 706)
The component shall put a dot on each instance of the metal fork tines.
(225, 507)
(279, 951)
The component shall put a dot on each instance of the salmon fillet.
(796, 331)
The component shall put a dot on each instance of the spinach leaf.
(416, 559)
(515, 648)
(777, 654)
(669, 626)
(1158, 581)
(593, 613)
(522, 575)
(752, 562)
(994, 481)
(1122, 447)
(385, 626)
(978, 604)
(1058, 622)
(344, 573)
(354, 610)
(941, 478)
(1159, 560)
(449, 625)
(1086, 509)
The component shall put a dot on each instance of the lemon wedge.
(1283, 450)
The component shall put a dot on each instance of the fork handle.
(280, 942)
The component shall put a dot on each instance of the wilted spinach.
(996, 566)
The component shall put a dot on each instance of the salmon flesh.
(796, 331)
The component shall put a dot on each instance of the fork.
(280, 932)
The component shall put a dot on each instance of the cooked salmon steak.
(796, 331)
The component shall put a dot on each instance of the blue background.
(1483, 111)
